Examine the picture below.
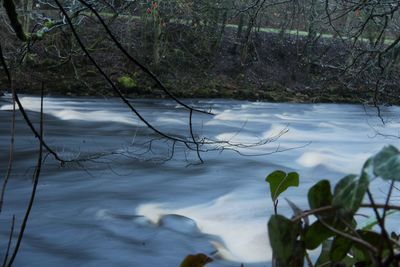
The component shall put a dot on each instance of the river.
(129, 205)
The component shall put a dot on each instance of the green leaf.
(387, 163)
(324, 259)
(279, 182)
(320, 195)
(298, 212)
(340, 248)
(350, 191)
(283, 238)
(375, 239)
(316, 234)
(361, 256)
(297, 258)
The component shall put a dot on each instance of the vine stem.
(329, 208)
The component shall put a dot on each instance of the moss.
(127, 82)
(48, 23)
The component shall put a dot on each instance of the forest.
(163, 133)
(296, 51)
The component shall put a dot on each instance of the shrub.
(335, 229)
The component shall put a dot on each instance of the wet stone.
(179, 224)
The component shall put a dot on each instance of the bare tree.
(66, 18)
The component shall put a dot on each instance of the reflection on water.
(122, 210)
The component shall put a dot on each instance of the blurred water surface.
(127, 207)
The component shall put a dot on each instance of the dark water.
(127, 206)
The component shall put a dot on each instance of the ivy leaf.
(279, 182)
(374, 238)
(324, 259)
(387, 163)
(340, 248)
(283, 238)
(361, 256)
(350, 191)
(298, 256)
(298, 212)
(316, 234)
(320, 195)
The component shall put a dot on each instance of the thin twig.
(34, 188)
(350, 237)
(9, 241)
(313, 212)
(193, 137)
(11, 148)
(381, 223)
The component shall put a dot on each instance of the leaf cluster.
(334, 228)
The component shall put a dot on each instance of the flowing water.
(128, 204)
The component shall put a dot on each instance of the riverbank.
(273, 68)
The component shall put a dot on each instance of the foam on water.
(33, 104)
(317, 133)
(237, 116)
(82, 111)
(342, 163)
(169, 120)
(231, 217)
(96, 116)
(238, 137)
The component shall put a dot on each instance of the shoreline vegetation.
(217, 59)
(278, 76)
